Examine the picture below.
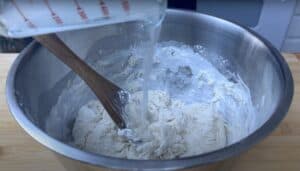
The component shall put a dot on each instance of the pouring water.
(150, 12)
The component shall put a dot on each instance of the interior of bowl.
(41, 78)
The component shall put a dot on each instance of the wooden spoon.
(112, 97)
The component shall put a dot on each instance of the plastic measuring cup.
(23, 18)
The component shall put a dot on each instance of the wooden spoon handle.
(103, 88)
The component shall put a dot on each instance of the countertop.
(280, 151)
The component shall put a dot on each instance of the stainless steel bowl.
(37, 78)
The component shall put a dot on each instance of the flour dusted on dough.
(192, 109)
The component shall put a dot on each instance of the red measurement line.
(55, 17)
(80, 11)
(104, 8)
(26, 20)
(126, 5)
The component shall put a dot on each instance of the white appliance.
(276, 20)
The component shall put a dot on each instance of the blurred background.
(276, 20)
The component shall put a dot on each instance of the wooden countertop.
(278, 152)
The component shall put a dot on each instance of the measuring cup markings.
(125, 5)
(104, 8)
(26, 20)
(55, 17)
(80, 11)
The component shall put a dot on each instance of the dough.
(193, 107)
(174, 129)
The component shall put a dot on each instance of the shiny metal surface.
(37, 78)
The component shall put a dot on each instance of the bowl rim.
(171, 164)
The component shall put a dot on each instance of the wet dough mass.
(192, 109)
(175, 129)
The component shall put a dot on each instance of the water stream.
(153, 31)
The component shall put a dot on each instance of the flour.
(192, 107)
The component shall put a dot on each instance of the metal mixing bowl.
(37, 78)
